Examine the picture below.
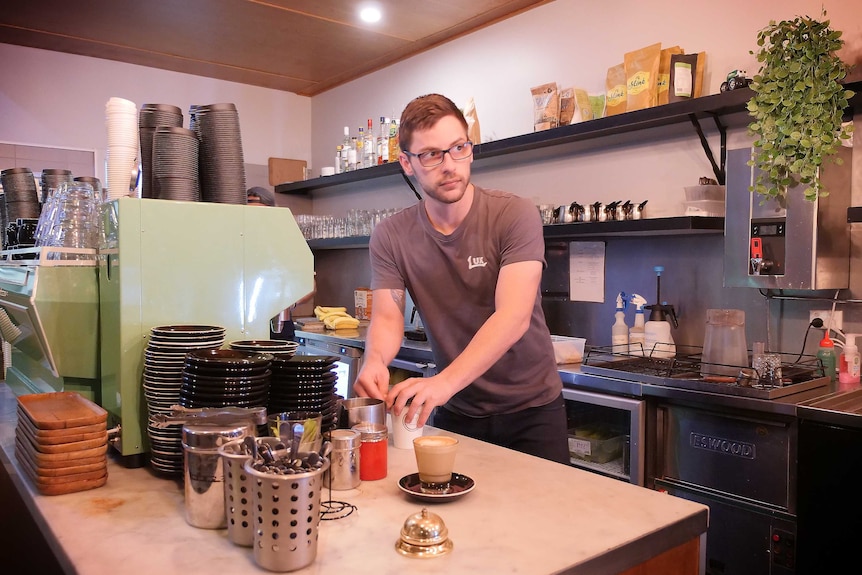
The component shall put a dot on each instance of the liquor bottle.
(352, 153)
(360, 149)
(393, 140)
(383, 142)
(345, 151)
(369, 148)
(338, 157)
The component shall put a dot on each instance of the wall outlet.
(837, 317)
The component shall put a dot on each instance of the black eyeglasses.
(433, 158)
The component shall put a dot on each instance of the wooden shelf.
(652, 227)
(712, 107)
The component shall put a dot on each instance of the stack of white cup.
(121, 119)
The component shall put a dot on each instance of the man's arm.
(514, 298)
(384, 338)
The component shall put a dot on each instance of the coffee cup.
(404, 431)
(435, 458)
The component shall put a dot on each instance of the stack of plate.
(164, 358)
(225, 378)
(305, 383)
(277, 347)
(222, 168)
(61, 442)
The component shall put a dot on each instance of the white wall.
(571, 42)
(58, 100)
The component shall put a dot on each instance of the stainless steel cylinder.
(286, 514)
(203, 472)
(343, 472)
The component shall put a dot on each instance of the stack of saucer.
(282, 349)
(61, 442)
(225, 378)
(164, 357)
(305, 383)
(222, 167)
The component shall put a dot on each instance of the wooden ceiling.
(300, 46)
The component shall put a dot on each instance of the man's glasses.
(433, 158)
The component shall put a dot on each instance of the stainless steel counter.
(804, 404)
(410, 349)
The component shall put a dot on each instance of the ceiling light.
(370, 14)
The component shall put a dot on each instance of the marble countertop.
(525, 515)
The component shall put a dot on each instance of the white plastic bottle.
(849, 365)
(619, 330)
(636, 333)
(658, 341)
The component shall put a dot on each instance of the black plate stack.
(225, 378)
(150, 117)
(222, 168)
(305, 383)
(164, 358)
(175, 165)
(20, 200)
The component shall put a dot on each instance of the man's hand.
(372, 381)
(426, 393)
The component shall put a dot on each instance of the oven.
(737, 454)
(606, 433)
(743, 467)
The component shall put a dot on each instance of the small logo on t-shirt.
(476, 262)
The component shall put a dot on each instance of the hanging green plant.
(798, 105)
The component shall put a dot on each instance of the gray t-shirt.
(452, 280)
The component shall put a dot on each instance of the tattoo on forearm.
(398, 298)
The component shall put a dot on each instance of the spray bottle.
(658, 341)
(619, 330)
(826, 355)
(636, 333)
(849, 365)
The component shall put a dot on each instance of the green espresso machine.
(49, 313)
(161, 263)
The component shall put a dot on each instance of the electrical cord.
(815, 323)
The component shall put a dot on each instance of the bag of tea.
(664, 73)
(574, 106)
(546, 106)
(567, 106)
(642, 77)
(615, 90)
(686, 76)
(473, 132)
(597, 103)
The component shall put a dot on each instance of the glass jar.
(724, 346)
(373, 449)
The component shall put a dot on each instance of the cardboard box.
(362, 302)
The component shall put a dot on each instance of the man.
(472, 261)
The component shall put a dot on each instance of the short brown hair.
(422, 113)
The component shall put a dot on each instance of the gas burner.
(686, 371)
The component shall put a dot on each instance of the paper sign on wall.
(587, 271)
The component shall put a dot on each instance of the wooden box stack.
(61, 442)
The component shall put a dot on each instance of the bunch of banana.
(335, 317)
